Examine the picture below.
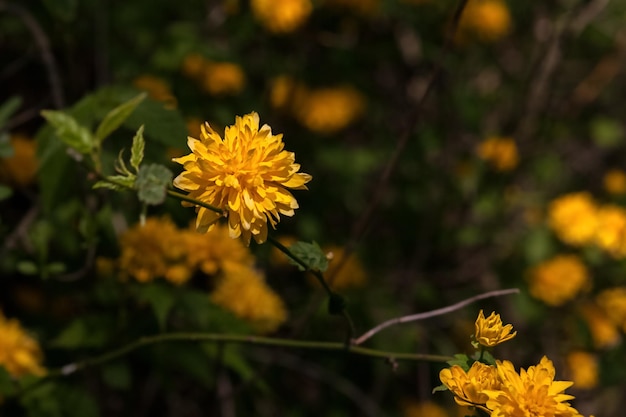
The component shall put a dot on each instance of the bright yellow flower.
(603, 332)
(614, 182)
(613, 302)
(468, 387)
(559, 279)
(583, 368)
(157, 88)
(154, 250)
(20, 354)
(328, 110)
(349, 275)
(211, 251)
(611, 230)
(488, 20)
(490, 331)
(223, 78)
(21, 168)
(281, 16)
(573, 217)
(244, 292)
(423, 409)
(531, 393)
(500, 153)
(246, 174)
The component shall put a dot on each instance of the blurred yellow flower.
(413, 408)
(573, 217)
(246, 174)
(209, 252)
(603, 332)
(611, 230)
(469, 387)
(193, 65)
(157, 88)
(583, 369)
(613, 302)
(531, 393)
(614, 182)
(20, 354)
(223, 78)
(244, 292)
(328, 110)
(284, 91)
(281, 16)
(487, 20)
(490, 331)
(154, 250)
(20, 169)
(559, 279)
(500, 153)
(349, 275)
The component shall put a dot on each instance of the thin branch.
(433, 313)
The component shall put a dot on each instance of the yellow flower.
(500, 153)
(281, 16)
(244, 292)
(468, 387)
(583, 368)
(573, 217)
(611, 230)
(20, 168)
(328, 110)
(223, 78)
(20, 354)
(246, 174)
(531, 393)
(412, 408)
(349, 275)
(613, 302)
(490, 331)
(488, 20)
(211, 251)
(603, 332)
(157, 88)
(614, 182)
(559, 279)
(284, 91)
(154, 250)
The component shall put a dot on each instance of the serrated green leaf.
(152, 183)
(461, 360)
(311, 254)
(8, 108)
(117, 116)
(136, 152)
(116, 182)
(485, 357)
(69, 131)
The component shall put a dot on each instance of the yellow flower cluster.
(614, 182)
(216, 78)
(613, 303)
(583, 369)
(490, 332)
(157, 88)
(20, 168)
(500, 153)
(322, 110)
(281, 16)
(559, 279)
(246, 174)
(603, 331)
(486, 20)
(20, 354)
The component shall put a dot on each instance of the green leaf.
(439, 388)
(5, 192)
(116, 182)
(461, 360)
(8, 108)
(69, 131)
(27, 268)
(152, 183)
(117, 116)
(160, 298)
(86, 332)
(311, 254)
(136, 152)
(606, 132)
(485, 357)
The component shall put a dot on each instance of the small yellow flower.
(468, 387)
(21, 168)
(488, 20)
(244, 292)
(583, 368)
(223, 78)
(413, 408)
(157, 88)
(614, 182)
(246, 174)
(349, 275)
(20, 354)
(603, 332)
(284, 91)
(573, 217)
(613, 302)
(611, 230)
(281, 16)
(559, 279)
(490, 331)
(328, 110)
(500, 153)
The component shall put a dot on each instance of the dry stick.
(44, 48)
(433, 313)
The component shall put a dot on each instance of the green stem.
(195, 202)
